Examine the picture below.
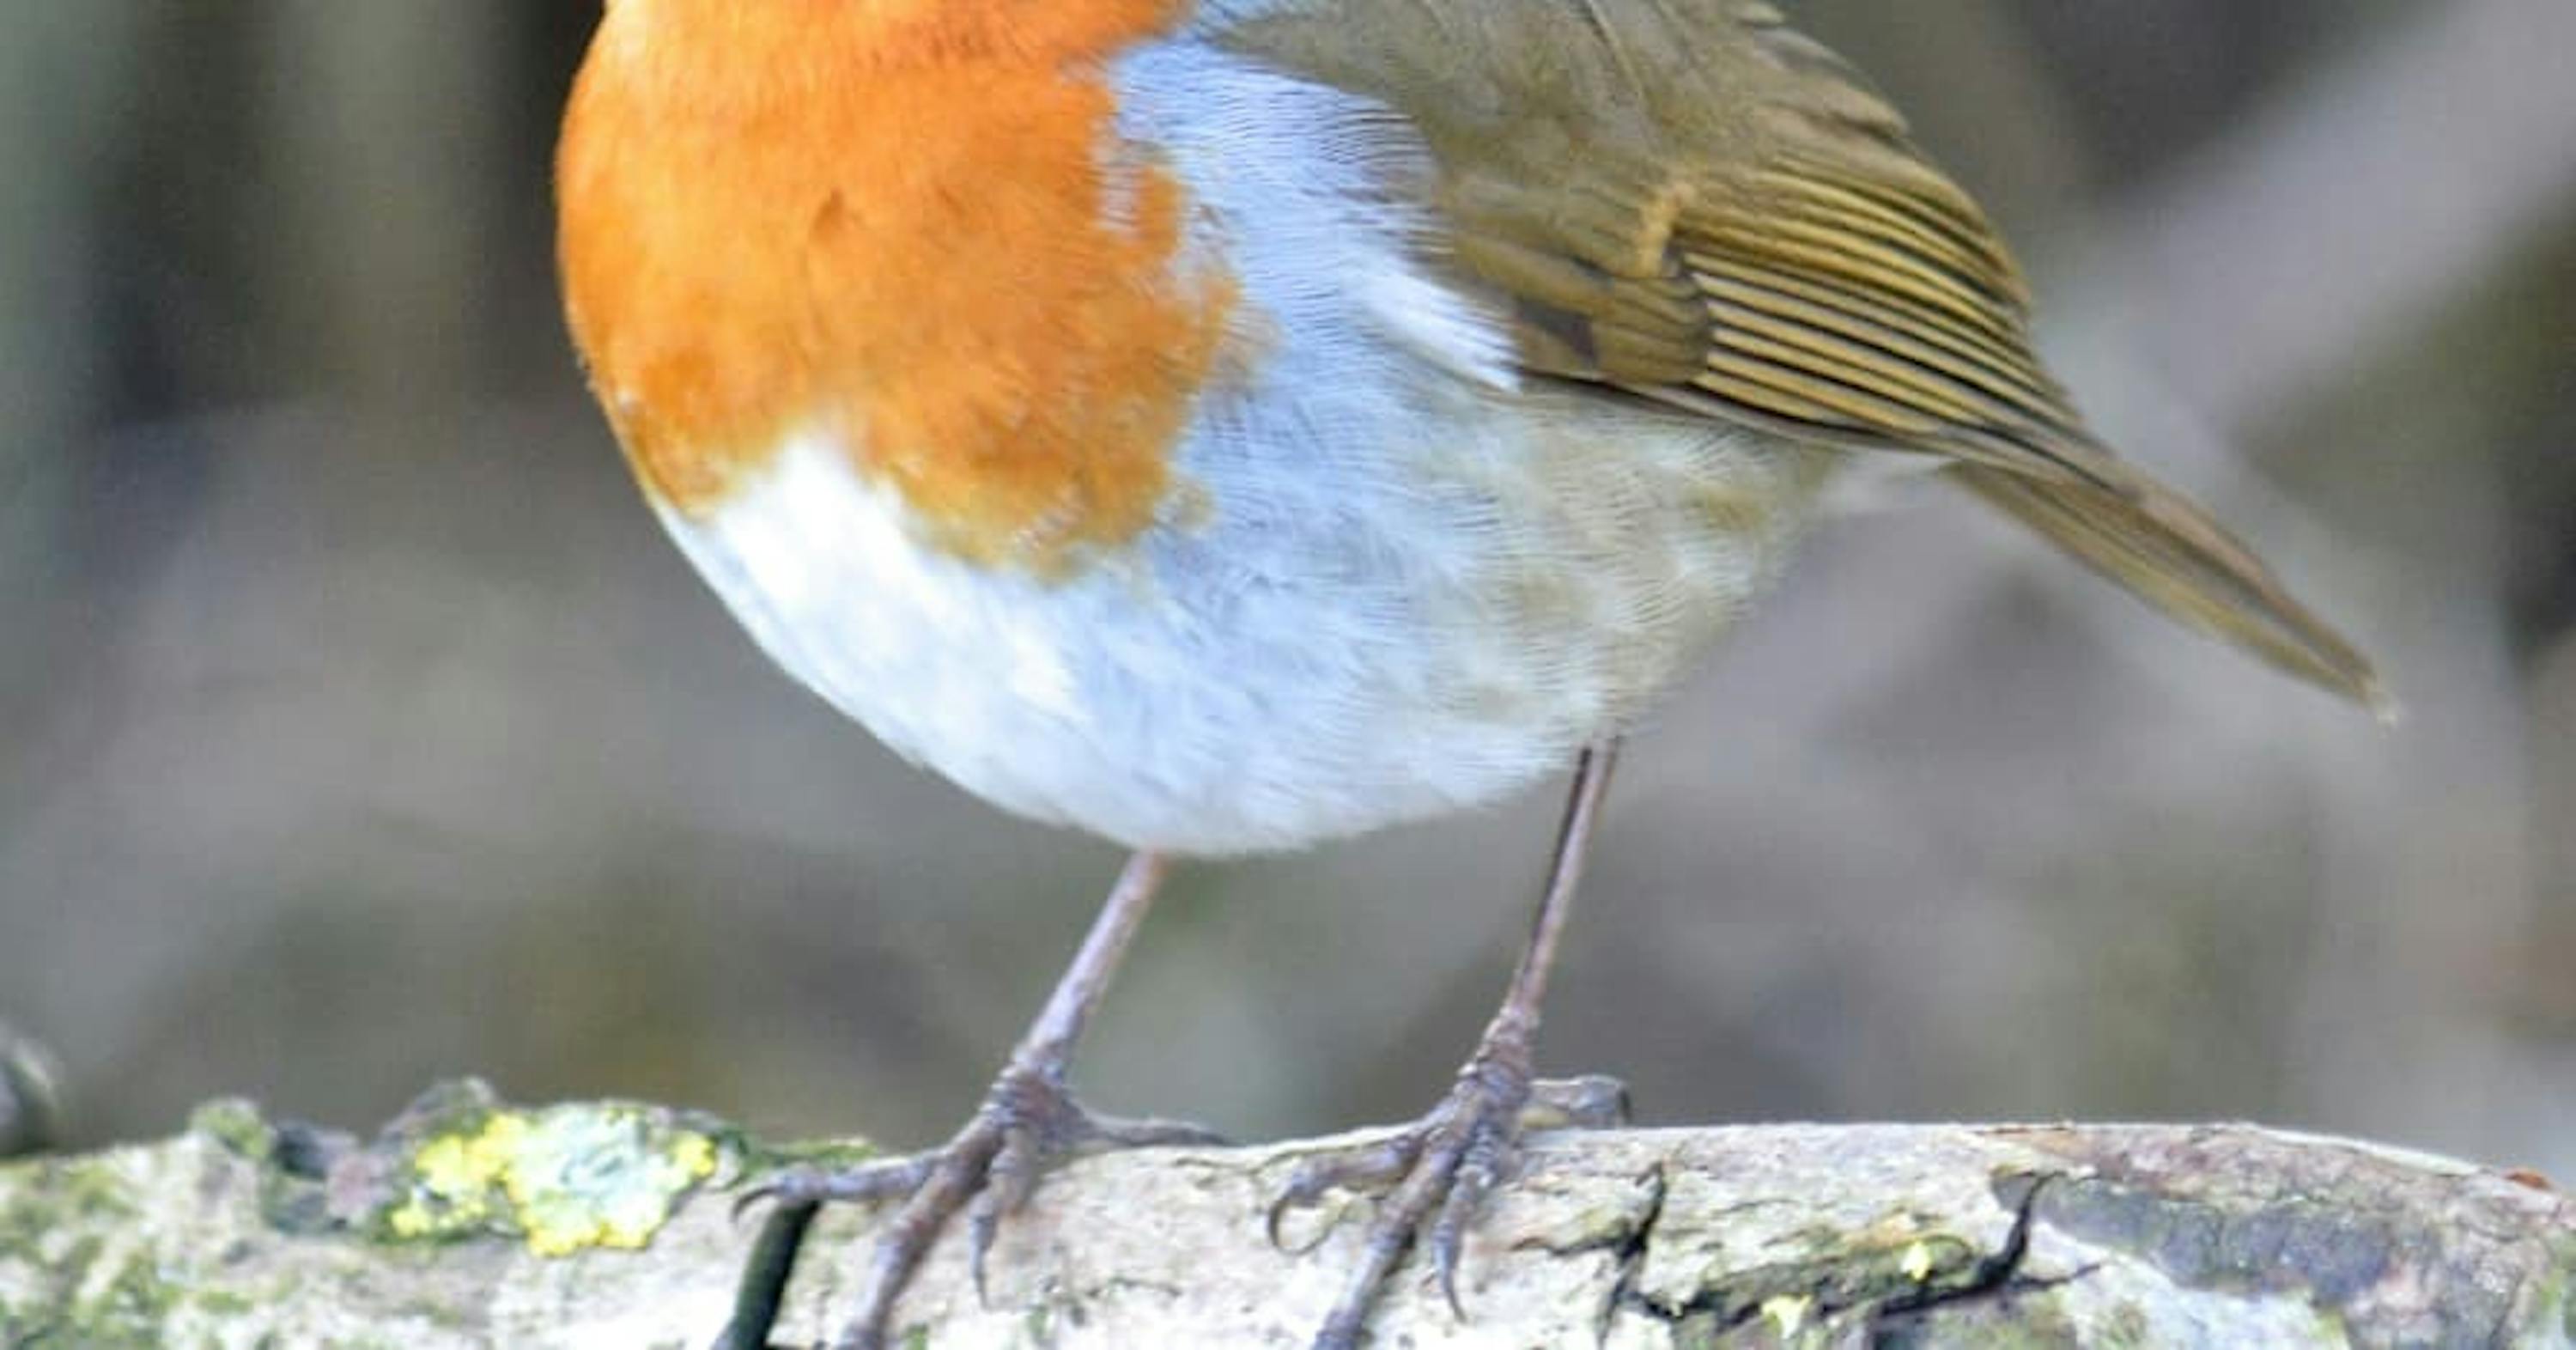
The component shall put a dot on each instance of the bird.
(1224, 426)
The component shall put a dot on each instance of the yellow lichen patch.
(567, 1179)
(1787, 1313)
(910, 226)
(455, 1179)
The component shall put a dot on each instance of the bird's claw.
(1029, 1124)
(1374, 1166)
(1434, 1177)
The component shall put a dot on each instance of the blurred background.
(358, 728)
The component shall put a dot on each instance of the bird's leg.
(1434, 1175)
(1029, 1123)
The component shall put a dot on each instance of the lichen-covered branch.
(468, 1223)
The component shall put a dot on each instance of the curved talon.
(1279, 1210)
(1444, 1241)
(1470, 1182)
(1359, 1167)
(1009, 1179)
(1302, 1191)
(983, 1225)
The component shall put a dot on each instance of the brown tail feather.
(2166, 549)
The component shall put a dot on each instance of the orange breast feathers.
(909, 225)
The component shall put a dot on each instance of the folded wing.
(1690, 201)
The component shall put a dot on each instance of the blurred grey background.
(357, 728)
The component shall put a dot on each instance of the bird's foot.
(1029, 1124)
(1433, 1177)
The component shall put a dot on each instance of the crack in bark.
(1631, 1251)
(1999, 1274)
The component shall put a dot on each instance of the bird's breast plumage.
(911, 227)
(1374, 573)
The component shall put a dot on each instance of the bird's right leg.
(1029, 1123)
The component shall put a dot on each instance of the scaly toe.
(1453, 1158)
(1110, 1132)
(1434, 1178)
(868, 1184)
(1360, 1167)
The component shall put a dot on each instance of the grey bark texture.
(468, 1223)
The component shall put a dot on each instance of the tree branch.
(471, 1224)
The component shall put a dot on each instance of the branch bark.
(470, 1224)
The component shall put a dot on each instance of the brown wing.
(1689, 200)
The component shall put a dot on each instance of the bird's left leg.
(1435, 1175)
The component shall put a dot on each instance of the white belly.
(1389, 583)
(1331, 657)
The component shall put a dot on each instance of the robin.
(1230, 425)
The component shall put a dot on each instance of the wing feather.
(1691, 201)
